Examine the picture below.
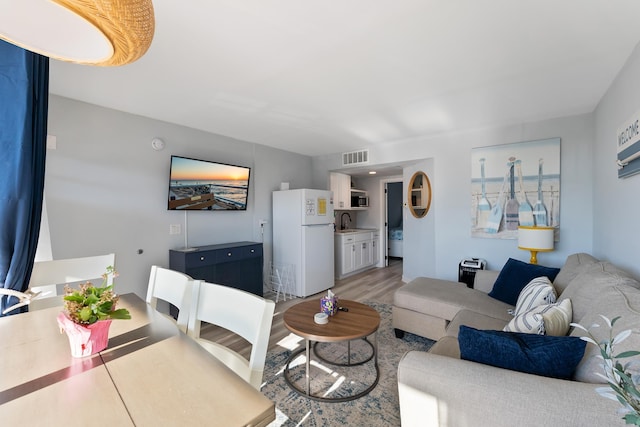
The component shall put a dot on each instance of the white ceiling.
(319, 77)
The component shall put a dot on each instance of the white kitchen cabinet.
(346, 255)
(340, 184)
(354, 251)
(375, 247)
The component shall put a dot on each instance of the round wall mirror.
(419, 197)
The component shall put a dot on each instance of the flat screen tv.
(205, 185)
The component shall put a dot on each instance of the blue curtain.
(24, 103)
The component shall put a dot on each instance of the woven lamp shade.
(92, 32)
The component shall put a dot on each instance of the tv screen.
(205, 185)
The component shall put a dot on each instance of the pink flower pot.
(85, 340)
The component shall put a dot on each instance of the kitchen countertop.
(355, 230)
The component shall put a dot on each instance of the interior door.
(385, 232)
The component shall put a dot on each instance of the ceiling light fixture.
(372, 172)
(92, 32)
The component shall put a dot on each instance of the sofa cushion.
(548, 356)
(514, 276)
(573, 266)
(621, 300)
(529, 322)
(593, 285)
(557, 321)
(446, 346)
(538, 291)
(545, 319)
(475, 320)
(444, 299)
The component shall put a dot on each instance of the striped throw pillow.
(538, 291)
(530, 322)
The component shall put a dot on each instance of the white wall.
(419, 234)
(616, 201)
(107, 189)
(451, 203)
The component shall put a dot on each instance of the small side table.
(359, 322)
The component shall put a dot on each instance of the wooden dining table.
(150, 374)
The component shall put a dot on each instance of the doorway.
(393, 221)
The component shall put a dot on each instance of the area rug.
(379, 407)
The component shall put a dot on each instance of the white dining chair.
(174, 288)
(240, 312)
(46, 275)
(24, 298)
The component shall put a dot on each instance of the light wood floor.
(377, 284)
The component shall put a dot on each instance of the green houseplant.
(87, 315)
(623, 383)
(90, 304)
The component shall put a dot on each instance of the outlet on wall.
(174, 229)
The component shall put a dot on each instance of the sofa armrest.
(485, 279)
(436, 390)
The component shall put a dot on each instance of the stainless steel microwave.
(359, 201)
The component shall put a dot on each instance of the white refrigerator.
(303, 237)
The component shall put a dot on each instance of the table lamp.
(535, 239)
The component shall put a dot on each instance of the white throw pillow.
(557, 320)
(538, 291)
(529, 322)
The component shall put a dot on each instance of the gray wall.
(106, 188)
(616, 201)
(435, 245)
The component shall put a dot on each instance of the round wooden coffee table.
(357, 321)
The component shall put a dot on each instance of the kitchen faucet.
(342, 226)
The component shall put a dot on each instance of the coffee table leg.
(349, 352)
(308, 367)
(375, 347)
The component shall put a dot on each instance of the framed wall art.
(515, 184)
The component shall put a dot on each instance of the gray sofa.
(437, 388)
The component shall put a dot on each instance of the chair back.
(243, 313)
(173, 287)
(46, 275)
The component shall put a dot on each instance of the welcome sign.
(628, 140)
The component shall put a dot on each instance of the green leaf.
(85, 314)
(632, 418)
(106, 306)
(74, 297)
(92, 299)
(629, 353)
(121, 313)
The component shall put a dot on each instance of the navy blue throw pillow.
(514, 276)
(545, 355)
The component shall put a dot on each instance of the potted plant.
(623, 384)
(87, 315)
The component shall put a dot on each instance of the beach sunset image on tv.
(206, 185)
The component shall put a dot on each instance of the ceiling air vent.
(359, 157)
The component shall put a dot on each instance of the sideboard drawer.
(195, 259)
(253, 251)
(238, 264)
